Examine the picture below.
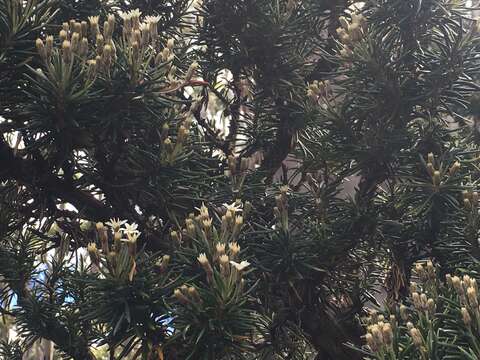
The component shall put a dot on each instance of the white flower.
(132, 237)
(93, 20)
(131, 229)
(115, 224)
(202, 258)
(233, 207)
(152, 19)
(135, 13)
(234, 248)
(240, 266)
(204, 211)
(144, 26)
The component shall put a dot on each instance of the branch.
(34, 175)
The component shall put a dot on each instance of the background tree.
(172, 172)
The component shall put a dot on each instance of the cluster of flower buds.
(73, 41)
(470, 199)
(187, 294)
(163, 263)
(318, 89)
(417, 339)
(435, 174)
(173, 147)
(117, 236)
(379, 336)
(422, 303)
(201, 227)
(226, 266)
(466, 289)
(426, 272)
(221, 251)
(139, 34)
(350, 32)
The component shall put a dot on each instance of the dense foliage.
(173, 178)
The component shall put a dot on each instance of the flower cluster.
(470, 200)
(466, 289)
(318, 89)
(216, 289)
(436, 174)
(436, 319)
(218, 249)
(173, 146)
(118, 247)
(379, 336)
(350, 32)
(96, 47)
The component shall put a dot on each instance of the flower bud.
(99, 42)
(467, 320)
(370, 342)
(94, 28)
(49, 45)
(436, 178)
(431, 306)
(77, 27)
(430, 169)
(83, 50)
(193, 293)
(84, 28)
(475, 198)
(135, 51)
(423, 300)
(377, 335)
(234, 249)
(66, 51)
(75, 41)
(164, 262)
(416, 337)
(180, 296)
(220, 248)
(94, 254)
(203, 260)
(41, 49)
(165, 54)
(404, 312)
(107, 52)
(457, 284)
(454, 168)
(448, 280)
(111, 23)
(63, 35)
(472, 297)
(416, 301)
(92, 67)
(387, 334)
